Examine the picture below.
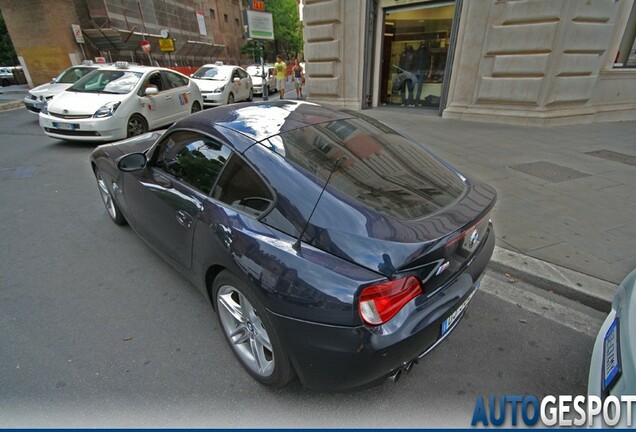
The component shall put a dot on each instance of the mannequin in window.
(422, 60)
(406, 74)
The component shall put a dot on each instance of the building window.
(237, 22)
(225, 17)
(212, 14)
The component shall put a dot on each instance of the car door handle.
(184, 218)
(168, 97)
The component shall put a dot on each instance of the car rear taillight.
(379, 303)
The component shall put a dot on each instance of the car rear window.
(377, 166)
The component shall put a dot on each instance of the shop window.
(626, 55)
(237, 22)
(225, 17)
(415, 50)
(212, 14)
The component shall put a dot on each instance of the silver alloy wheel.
(106, 196)
(245, 330)
(136, 127)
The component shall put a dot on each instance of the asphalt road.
(97, 331)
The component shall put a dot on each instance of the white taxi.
(256, 72)
(41, 95)
(223, 84)
(113, 103)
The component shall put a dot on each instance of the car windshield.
(107, 81)
(377, 166)
(69, 76)
(212, 73)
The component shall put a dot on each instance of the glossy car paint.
(311, 293)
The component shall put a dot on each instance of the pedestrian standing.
(281, 75)
(298, 79)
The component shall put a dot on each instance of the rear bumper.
(336, 358)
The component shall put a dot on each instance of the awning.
(114, 39)
(199, 49)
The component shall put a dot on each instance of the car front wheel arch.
(250, 332)
(136, 125)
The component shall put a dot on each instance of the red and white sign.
(77, 32)
(100, 59)
(201, 21)
(145, 46)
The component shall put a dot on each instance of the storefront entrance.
(415, 46)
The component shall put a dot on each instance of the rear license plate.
(611, 356)
(457, 313)
(65, 126)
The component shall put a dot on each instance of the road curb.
(590, 291)
(6, 106)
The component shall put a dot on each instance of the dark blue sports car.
(331, 247)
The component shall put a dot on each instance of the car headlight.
(44, 109)
(107, 110)
(219, 90)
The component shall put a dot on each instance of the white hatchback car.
(223, 84)
(41, 95)
(117, 102)
(256, 72)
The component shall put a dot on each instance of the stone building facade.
(204, 31)
(518, 61)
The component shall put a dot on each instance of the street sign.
(260, 25)
(166, 44)
(145, 46)
(77, 32)
(100, 59)
(258, 5)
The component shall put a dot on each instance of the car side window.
(175, 80)
(242, 73)
(192, 158)
(242, 188)
(153, 80)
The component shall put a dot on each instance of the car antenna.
(336, 164)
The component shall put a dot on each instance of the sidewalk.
(11, 96)
(557, 201)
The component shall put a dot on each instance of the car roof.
(261, 120)
(136, 68)
(221, 66)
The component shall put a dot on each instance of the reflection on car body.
(331, 247)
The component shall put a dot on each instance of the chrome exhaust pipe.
(409, 367)
(395, 376)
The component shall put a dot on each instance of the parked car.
(7, 77)
(256, 72)
(330, 246)
(613, 363)
(40, 95)
(121, 101)
(223, 84)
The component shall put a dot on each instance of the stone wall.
(334, 39)
(540, 62)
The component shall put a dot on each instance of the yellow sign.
(166, 45)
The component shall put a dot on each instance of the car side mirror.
(52, 80)
(237, 80)
(132, 162)
(151, 91)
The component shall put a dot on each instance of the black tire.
(109, 200)
(232, 287)
(230, 99)
(251, 96)
(137, 125)
(195, 107)
(5, 82)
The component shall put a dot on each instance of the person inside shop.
(422, 61)
(407, 77)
